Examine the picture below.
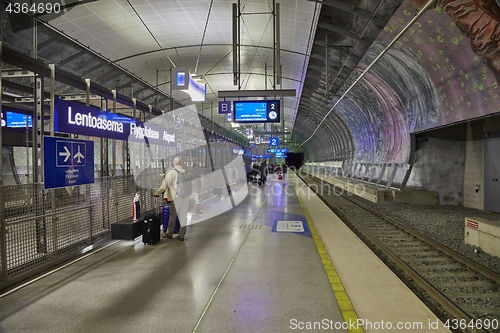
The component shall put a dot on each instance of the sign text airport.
(76, 118)
(67, 162)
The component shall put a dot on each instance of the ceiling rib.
(351, 8)
(70, 58)
(338, 30)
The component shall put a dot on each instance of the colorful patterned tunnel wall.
(433, 76)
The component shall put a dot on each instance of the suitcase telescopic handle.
(158, 204)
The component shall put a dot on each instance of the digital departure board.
(17, 120)
(257, 111)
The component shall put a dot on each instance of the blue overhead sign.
(67, 162)
(18, 120)
(273, 142)
(238, 151)
(184, 81)
(262, 111)
(76, 118)
(224, 107)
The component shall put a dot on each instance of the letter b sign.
(224, 107)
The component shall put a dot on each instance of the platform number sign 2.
(272, 112)
(273, 142)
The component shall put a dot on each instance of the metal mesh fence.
(40, 226)
(28, 227)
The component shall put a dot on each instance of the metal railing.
(41, 226)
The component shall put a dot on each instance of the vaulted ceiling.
(131, 46)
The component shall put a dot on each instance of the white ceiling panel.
(128, 30)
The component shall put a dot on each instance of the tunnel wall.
(439, 163)
(433, 76)
(444, 70)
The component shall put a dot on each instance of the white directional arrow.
(67, 154)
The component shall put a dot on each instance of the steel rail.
(455, 255)
(409, 273)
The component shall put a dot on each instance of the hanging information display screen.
(257, 111)
(18, 120)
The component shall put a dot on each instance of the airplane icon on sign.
(78, 156)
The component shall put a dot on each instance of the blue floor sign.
(67, 162)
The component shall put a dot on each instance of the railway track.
(464, 294)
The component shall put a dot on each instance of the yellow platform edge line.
(343, 301)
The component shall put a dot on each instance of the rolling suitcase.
(151, 228)
(166, 216)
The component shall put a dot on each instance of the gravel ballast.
(443, 224)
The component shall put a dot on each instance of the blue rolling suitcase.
(165, 216)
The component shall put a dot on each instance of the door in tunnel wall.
(492, 172)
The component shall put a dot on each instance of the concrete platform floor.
(233, 273)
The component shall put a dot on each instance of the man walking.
(263, 172)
